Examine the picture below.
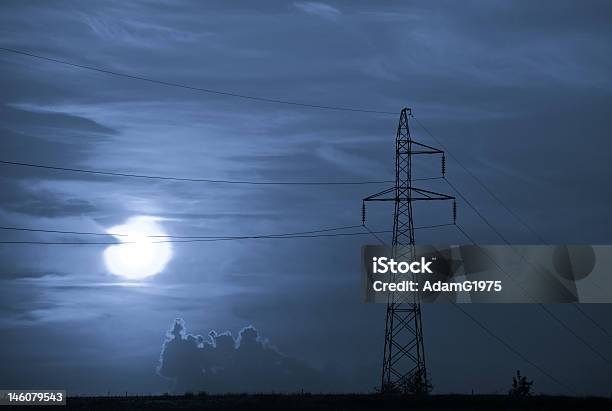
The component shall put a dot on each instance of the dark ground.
(337, 402)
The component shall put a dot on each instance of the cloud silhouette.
(222, 363)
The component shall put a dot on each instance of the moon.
(140, 256)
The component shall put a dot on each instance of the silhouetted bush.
(521, 387)
(417, 384)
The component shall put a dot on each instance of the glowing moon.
(140, 256)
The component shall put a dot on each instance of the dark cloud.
(24, 199)
(20, 118)
(222, 363)
(46, 138)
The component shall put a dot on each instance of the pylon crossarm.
(426, 149)
(420, 152)
(373, 197)
(438, 196)
(431, 150)
(424, 195)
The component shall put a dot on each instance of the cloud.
(222, 363)
(29, 116)
(133, 32)
(318, 9)
(45, 138)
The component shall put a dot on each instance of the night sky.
(521, 93)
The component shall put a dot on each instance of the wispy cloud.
(318, 9)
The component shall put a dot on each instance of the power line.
(512, 349)
(574, 333)
(197, 180)
(373, 233)
(482, 217)
(199, 240)
(193, 88)
(479, 181)
(497, 337)
(40, 230)
(508, 209)
(587, 316)
(542, 306)
(190, 239)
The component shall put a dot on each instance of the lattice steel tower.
(403, 368)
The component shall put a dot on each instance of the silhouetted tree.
(521, 387)
(417, 384)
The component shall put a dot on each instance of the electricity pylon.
(403, 368)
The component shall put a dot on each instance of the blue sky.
(519, 92)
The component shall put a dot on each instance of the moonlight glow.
(140, 257)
